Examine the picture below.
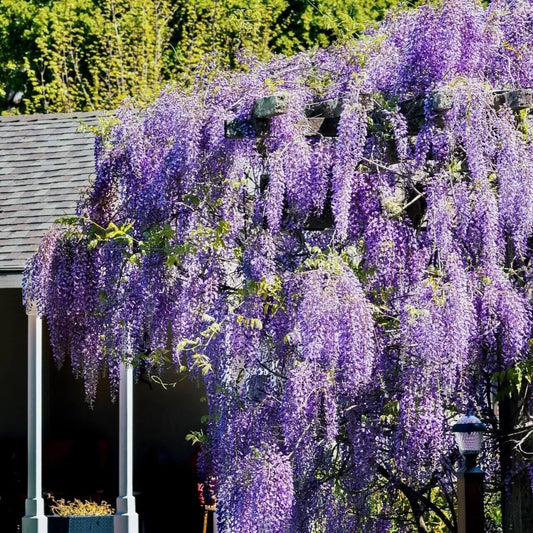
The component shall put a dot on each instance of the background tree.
(15, 18)
(84, 55)
(66, 55)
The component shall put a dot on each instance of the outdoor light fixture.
(469, 437)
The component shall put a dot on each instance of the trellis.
(321, 119)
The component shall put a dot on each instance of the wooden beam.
(321, 118)
(441, 100)
(519, 99)
(239, 128)
(331, 108)
(271, 106)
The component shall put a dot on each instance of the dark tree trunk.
(517, 498)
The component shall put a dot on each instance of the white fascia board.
(10, 279)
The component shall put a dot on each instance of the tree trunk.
(516, 498)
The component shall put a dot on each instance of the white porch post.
(126, 519)
(34, 520)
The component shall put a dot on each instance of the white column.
(34, 520)
(126, 519)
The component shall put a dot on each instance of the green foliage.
(16, 45)
(81, 55)
(308, 23)
(513, 379)
(223, 28)
(112, 232)
(196, 437)
(271, 294)
(72, 55)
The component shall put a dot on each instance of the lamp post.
(469, 437)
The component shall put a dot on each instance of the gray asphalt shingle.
(45, 163)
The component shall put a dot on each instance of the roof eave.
(11, 278)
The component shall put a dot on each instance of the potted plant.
(80, 517)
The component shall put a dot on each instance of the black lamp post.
(469, 437)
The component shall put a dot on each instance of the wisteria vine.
(333, 360)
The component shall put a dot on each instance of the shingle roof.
(45, 162)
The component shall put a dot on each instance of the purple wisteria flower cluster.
(333, 360)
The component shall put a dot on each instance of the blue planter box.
(80, 524)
